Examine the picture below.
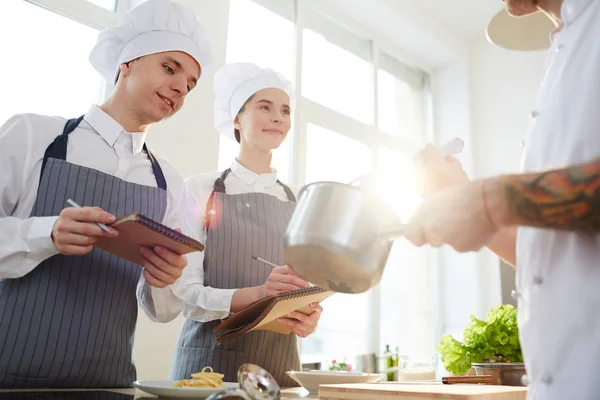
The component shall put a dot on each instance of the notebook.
(136, 230)
(263, 314)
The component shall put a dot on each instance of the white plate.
(310, 380)
(168, 389)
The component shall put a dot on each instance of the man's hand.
(437, 172)
(281, 279)
(303, 325)
(456, 216)
(162, 267)
(74, 232)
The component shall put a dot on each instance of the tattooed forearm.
(567, 199)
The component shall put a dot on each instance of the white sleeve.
(24, 241)
(202, 303)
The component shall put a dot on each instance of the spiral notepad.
(137, 230)
(263, 314)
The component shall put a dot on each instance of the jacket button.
(538, 280)
(515, 295)
(534, 114)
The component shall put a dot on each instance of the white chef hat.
(527, 33)
(154, 26)
(235, 83)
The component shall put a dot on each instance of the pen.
(265, 261)
(102, 226)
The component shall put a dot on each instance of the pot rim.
(514, 365)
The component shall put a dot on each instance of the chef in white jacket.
(68, 310)
(546, 221)
(240, 213)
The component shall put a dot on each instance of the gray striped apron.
(251, 224)
(70, 321)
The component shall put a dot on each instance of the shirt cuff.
(220, 300)
(39, 237)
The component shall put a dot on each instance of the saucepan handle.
(393, 232)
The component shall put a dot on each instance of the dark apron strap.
(58, 149)
(218, 187)
(161, 182)
(288, 192)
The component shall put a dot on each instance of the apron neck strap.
(58, 149)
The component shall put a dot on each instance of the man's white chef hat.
(528, 33)
(154, 26)
(235, 83)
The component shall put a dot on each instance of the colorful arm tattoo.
(567, 199)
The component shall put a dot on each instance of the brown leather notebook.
(263, 314)
(136, 230)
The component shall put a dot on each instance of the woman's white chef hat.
(235, 83)
(154, 26)
(527, 33)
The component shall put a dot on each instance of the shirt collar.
(111, 131)
(250, 178)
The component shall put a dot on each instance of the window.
(53, 75)
(401, 99)
(252, 38)
(333, 76)
(342, 333)
(405, 305)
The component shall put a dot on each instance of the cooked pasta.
(203, 379)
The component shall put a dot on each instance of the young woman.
(240, 213)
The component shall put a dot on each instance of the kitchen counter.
(117, 394)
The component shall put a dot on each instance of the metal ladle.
(255, 384)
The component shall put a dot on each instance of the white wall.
(458, 278)
(503, 92)
(503, 89)
(485, 99)
(191, 144)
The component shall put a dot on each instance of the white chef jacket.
(558, 273)
(99, 142)
(199, 302)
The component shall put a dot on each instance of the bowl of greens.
(491, 347)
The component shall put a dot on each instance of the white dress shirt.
(99, 142)
(199, 302)
(558, 272)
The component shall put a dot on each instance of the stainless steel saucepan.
(340, 235)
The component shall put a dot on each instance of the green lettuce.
(495, 339)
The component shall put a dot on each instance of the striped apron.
(70, 321)
(251, 224)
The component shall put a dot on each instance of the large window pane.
(407, 316)
(399, 107)
(336, 78)
(45, 73)
(108, 4)
(334, 157)
(260, 36)
(251, 39)
(344, 326)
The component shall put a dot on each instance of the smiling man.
(545, 221)
(68, 310)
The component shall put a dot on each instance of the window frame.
(310, 112)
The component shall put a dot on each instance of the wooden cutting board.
(375, 391)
